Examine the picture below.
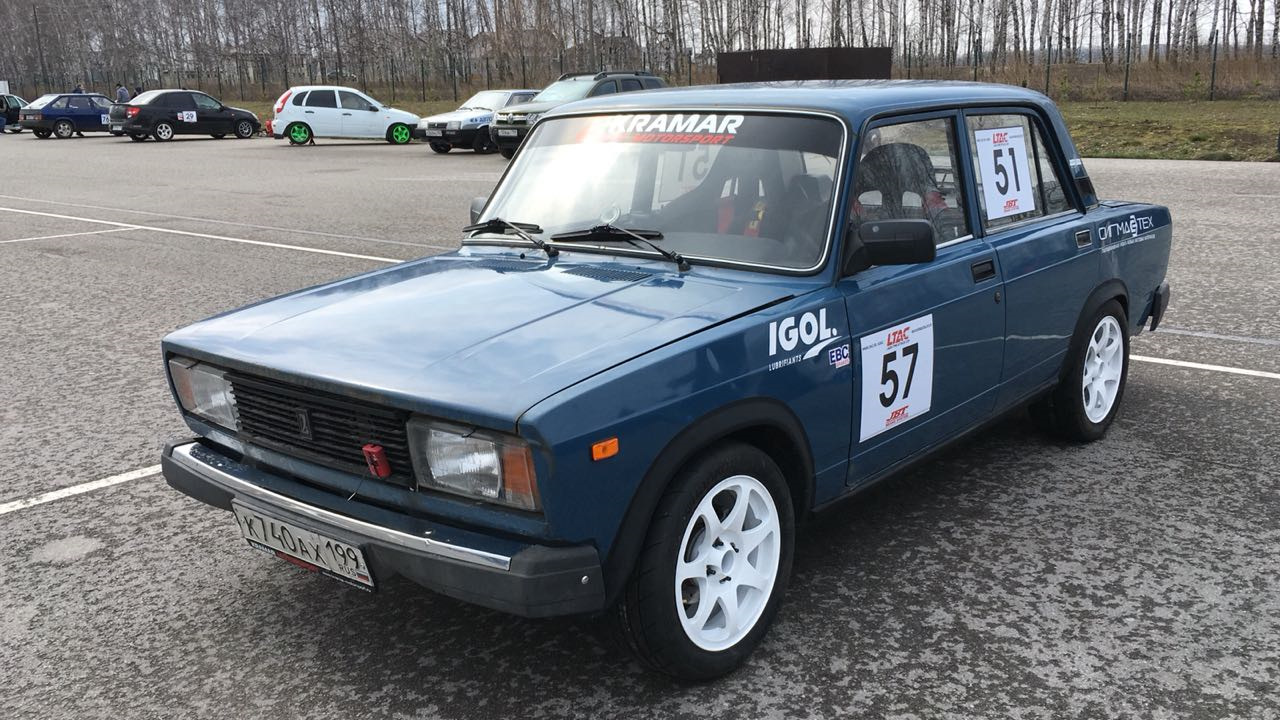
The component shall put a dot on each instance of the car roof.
(853, 100)
(305, 88)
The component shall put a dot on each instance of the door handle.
(309, 112)
(983, 271)
(1083, 238)
(347, 114)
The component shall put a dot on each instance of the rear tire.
(298, 133)
(508, 154)
(244, 130)
(64, 129)
(15, 129)
(1085, 402)
(163, 131)
(441, 148)
(399, 134)
(713, 568)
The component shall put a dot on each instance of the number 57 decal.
(897, 375)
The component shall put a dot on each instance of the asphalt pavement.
(1014, 577)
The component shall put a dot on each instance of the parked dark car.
(65, 114)
(510, 127)
(162, 114)
(10, 105)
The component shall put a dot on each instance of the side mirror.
(477, 207)
(898, 242)
(373, 108)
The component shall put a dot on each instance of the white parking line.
(231, 222)
(67, 235)
(80, 489)
(1203, 366)
(186, 233)
(144, 472)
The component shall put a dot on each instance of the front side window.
(204, 102)
(80, 102)
(352, 101)
(101, 103)
(630, 84)
(907, 171)
(747, 188)
(1016, 179)
(322, 99)
(607, 87)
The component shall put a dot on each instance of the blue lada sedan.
(684, 321)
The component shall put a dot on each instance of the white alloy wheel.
(728, 563)
(1103, 368)
(164, 131)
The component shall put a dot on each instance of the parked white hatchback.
(307, 112)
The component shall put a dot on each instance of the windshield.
(43, 100)
(146, 97)
(564, 91)
(490, 100)
(746, 188)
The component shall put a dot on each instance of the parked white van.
(307, 112)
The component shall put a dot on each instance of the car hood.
(459, 115)
(476, 336)
(531, 107)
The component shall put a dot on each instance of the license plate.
(507, 133)
(117, 128)
(303, 548)
(435, 133)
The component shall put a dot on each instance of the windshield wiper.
(498, 225)
(613, 233)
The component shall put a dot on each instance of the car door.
(181, 109)
(360, 117)
(102, 111)
(1049, 256)
(81, 111)
(211, 116)
(321, 112)
(926, 339)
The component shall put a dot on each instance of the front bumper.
(523, 579)
(507, 142)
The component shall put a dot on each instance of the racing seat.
(894, 170)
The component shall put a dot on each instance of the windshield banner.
(673, 128)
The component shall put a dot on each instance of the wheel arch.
(765, 423)
(1113, 289)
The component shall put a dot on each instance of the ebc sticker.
(669, 128)
(897, 375)
(187, 116)
(1006, 173)
(799, 337)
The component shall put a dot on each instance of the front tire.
(138, 137)
(508, 154)
(163, 131)
(440, 147)
(1085, 402)
(298, 134)
(244, 130)
(399, 134)
(64, 129)
(42, 133)
(483, 144)
(218, 136)
(714, 566)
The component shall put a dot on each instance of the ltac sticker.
(838, 356)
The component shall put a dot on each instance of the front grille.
(272, 413)
(436, 125)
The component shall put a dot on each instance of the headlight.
(453, 125)
(532, 118)
(489, 466)
(203, 391)
(501, 118)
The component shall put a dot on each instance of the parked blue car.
(63, 115)
(683, 322)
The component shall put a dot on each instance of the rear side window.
(322, 99)
(907, 171)
(299, 99)
(605, 88)
(651, 83)
(629, 84)
(178, 101)
(1015, 175)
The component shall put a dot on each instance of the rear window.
(146, 98)
(322, 98)
(42, 101)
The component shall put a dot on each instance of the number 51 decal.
(897, 375)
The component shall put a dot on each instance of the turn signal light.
(604, 449)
